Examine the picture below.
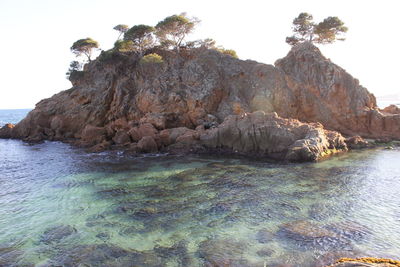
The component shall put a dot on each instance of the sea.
(62, 206)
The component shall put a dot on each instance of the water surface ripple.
(60, 206)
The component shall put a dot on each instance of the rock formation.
(327, 94)
(117, 101)
(269, 135)
(366, 262)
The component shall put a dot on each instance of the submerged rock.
(218, 253)
(57, 233)
(310, 235)
(104, 255)
(265, 236)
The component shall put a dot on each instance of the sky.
(37, 36)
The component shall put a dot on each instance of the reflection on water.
(62, 207)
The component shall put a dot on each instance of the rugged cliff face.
(326, 93)
(112, 100)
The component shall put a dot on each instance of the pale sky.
(37, 35)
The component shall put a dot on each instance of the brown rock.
(146, 129)
(357, 142)
(271, 136)
(100, 147)
(147, 145)
(392, 109)
(158, 120)
(327, 94)
(366, 262)
(205, 87)
(121, 137)
(6, 130)
(92, 135)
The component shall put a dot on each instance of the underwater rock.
(265, 252)
(57, 233)
(264, 236)
(178, 251)
(103, 255)
(145, 213)
(114, 192)
(10, 257)
(350, 230)
(309, 235)
(226, 252)
(221, 207)
(103, 236)
(319, 211)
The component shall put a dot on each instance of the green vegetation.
(74, 66)
(123, 46)
(122, 28)
(173, 29)
(325, 32)
(84, 47)
(152, 58)
(141, 37)
(229, 52)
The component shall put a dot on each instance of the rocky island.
(155, 93)
(199, 99)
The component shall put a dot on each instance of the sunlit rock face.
(112, 100)
(269, 135)
(326, 93)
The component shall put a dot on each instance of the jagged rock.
(327, 94)
(269, 135)
(392, 109)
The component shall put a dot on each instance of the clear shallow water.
(60, 206)
(12, 115)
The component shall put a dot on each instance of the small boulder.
(146, 129)
(147, 145)
(92, 135)
(356, 142)
(6, 130)
(121, 137)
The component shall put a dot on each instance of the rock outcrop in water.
(119, 101)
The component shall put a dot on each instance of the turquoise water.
(60, 206)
